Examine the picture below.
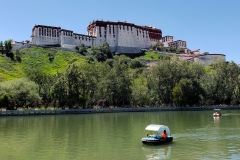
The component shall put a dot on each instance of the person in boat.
(217, 112)
(149, 135)
(163, 135)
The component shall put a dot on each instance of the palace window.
(54, 33)
(44, 31)
(40, 31)
(49, 32)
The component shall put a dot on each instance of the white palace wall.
(44, 39)
(121, 38)
(19, 45)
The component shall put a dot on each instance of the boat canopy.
(158, 128)
(153, 127)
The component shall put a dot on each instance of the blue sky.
(210, 25)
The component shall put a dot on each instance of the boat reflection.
(216, 119)
(157, 152)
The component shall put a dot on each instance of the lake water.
(197, 135)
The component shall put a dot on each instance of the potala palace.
(122, 37)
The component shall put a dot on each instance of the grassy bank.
(36, 57)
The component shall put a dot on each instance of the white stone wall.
(69, 47)
(20, 45)
(67, 37)
(119, 37)
(47, 39)
(84, 39)
(208, 58)
(135, 37)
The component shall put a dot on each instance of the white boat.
(217, 112)
(154, 132)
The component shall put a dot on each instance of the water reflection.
(157, 152)
(216, 119)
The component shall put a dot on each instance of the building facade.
(122, 37)
(178, 44)
(166, 40)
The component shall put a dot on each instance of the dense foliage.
(96, 77)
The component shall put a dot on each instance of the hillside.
(96, 80)
(37, 57)
(40, 57)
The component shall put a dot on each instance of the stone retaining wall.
(111, 110)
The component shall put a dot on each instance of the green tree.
(140, 94)
(59, 90)
(171, 49)
(135, 64)
(115, 85)
(8, 45)
(1, 47)
(20, 92)
(75, 87)
(101, 53)
(221, 81)
(18, 56)
(82, 49)
(51, 57)
(180, 50)
(8, 48)
(44, 83)
(158, 46)
(187, 92)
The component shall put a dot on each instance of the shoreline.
(111, 110)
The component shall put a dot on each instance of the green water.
(197, 135)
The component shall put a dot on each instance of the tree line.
(6, 47)
(111, 80)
